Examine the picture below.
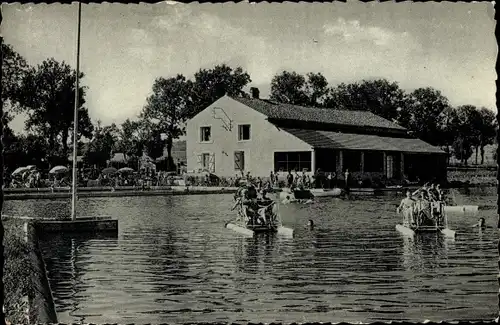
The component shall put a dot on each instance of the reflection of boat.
(466, 209)
(295, 194)
(266, 219)
(424, 252)
(420, 222)
(334, 192)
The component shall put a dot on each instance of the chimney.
(255, 92)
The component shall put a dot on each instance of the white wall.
(259, 150)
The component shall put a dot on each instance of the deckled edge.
(2, 264)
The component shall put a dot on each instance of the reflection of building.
(259, 136)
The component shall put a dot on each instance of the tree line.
(45, 94)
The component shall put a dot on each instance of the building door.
(389, 171)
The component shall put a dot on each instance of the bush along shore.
(472, 177)
(28, 298)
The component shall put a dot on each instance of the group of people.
(319, 179)
(257, 207)
(426, 206)
(29, 179)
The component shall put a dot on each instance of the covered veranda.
(366, 155)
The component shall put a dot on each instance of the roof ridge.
(267, 100)
(284, 111)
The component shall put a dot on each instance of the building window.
(205, 134)
(352, 161)
(239, 161)
(390, 167)
(374, 162)
(243, 132)
(289, 161)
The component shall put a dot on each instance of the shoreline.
(96, 192)
(24, 253)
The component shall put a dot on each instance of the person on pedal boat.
(440, 193)
(424, 207)
(249, 200)
(481, 224)
(423, 188)
(433, 193)
(407, 207)
(264, 199)
(266, 205)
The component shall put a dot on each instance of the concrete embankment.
(41, 301)
(130, 191)
(26, 283)
(26, 194)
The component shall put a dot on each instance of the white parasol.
(20, 170)
(58, 170)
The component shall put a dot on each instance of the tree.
(293, 88)
(14, 68)
(380, 97)
(462, 149)
(487, 128)
(210, 85)
(47, 96)
(421, 113)
(289, 88)
(165, 109)
(448, 126)
(467, 134)
(130, 142)
(102, 145)
(316, 89)
(155, 145)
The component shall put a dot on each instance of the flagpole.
(75, 121)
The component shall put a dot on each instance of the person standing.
(304, 179)
(289, 179)
(272, 178)
(329, 180)
(347, 178)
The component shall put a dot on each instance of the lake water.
(173, 261)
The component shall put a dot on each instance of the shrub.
(18, 270)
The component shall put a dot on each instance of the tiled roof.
(337, 140)
(281, 111)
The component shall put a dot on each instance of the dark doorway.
(326, 160)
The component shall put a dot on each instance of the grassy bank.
(18, 270)
(28, 298)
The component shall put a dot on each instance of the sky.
(448, 46)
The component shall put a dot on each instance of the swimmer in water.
(481, 224)
(286, 200)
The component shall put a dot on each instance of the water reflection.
(425, 252)
(174, 261)
(67, 258)
(257, 254)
